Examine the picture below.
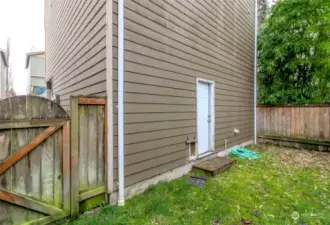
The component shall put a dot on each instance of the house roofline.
(3, 56)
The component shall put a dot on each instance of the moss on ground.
(266, 191)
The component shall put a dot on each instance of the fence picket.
(327, 122)
(31, 185)
(51, 166)
(296, 121)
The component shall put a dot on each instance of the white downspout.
(255, 68)
(109, 83)
(121, 194)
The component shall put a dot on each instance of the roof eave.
(27, 61)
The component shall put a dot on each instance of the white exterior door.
(204, 117)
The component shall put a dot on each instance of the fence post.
(74, 156)
(105, 136)
(66, 151)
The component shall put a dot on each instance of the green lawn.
(271, 190)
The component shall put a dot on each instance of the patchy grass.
(273, 190)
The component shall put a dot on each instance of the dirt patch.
(298, 158)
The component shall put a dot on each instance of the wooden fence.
(88, 152)
(34, 161)
(307, 121)
(51, 166)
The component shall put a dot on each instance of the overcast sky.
(23, 22)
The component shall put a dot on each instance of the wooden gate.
(34, 161)
(88, 152)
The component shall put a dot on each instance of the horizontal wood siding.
(75, 47)
(168, 44)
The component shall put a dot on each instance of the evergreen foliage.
(294, 53)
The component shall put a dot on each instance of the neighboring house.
(189, 73)
(35, 65)
(3, 72)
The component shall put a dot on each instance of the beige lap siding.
(168, 44)
(75, 47)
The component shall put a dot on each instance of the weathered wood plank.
(258, 121)
(34, 170)
(100, 145)
(327, 122)
(6, 178)
(48, 219)
(5, 215)
(5, 151)
(282, 124)
(276, 121)
(47, 171)
(46, 109)
(279, 118)
(34, 157)
(316, 123)
(265, 120)
(310, 125)
(288, 121)
(322, 124)
(306, 125)
(302, 121)
(18, 108)
(33, 180)
(6, 183)
(91, 101)
(4, 145)
(88, 194)
(107, 179)
(91, 203)
(292, 121)
(83, 147)
(29, 203)
(30, 123)
(19, 175)
(297, 122)
(58, 174)
(66, 166)
(59, 112)
(74, 157)
(268, 120)
(20, 153)
(32, 108)
(272, 122)
(92, 151)
(5, 109)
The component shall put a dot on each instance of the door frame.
(212, 111)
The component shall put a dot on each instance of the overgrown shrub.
(294, 53)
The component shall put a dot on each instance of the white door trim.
(212, 111)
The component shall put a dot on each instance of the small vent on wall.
(191, 142)
(49, 85)
(56, 98)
